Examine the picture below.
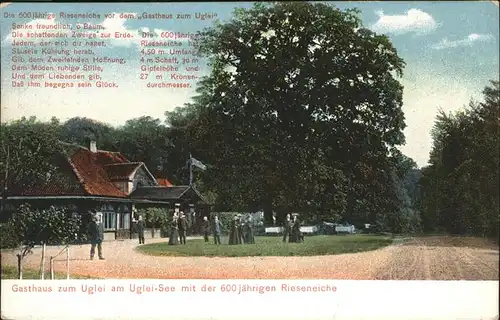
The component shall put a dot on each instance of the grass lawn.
(271, 246)
(10, 272)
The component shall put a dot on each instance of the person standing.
(96, 234)
(217, 229)
(241, 229)
(296, 234)
(234, 235)
(287, 228)
(140, 229)
(183, 225)
(206, 228)
(249, 231)
(173, 238)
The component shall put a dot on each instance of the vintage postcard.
(227, 160)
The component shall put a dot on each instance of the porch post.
(192, 218)
(131, 208)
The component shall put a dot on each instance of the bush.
(49, 226)
(8, 236)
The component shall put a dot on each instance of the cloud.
(414, 20)
(467, 42)
(116, 23)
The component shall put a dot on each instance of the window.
(109, 220)
(126, 220)
(123, 217)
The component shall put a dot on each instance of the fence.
(52, 258)
(304, 229)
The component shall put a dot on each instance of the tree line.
(301, 112)
(460, 187)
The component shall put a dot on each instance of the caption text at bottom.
(89, 288)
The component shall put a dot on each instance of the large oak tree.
(301, 107)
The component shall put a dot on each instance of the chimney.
(93, 146)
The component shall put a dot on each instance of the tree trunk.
(268, 212)
(19, 267)
(51, 268)
(67, 262)
(42, 263)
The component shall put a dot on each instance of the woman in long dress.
(296, 234)
(234, 235)
(173, 239)
(242, 229)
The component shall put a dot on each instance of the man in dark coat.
(182, 228)
(217, 230)
(296, 234)
(140, 229)
(206, 228)
(287, 226)
(96, 235)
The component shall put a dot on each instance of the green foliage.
(81, 130)
(460, 186)
(293, 138)
(154, 217)
(26, 147)
(226, 219)
(272, 246)
(9, 272)
(28, 228)
(146, 139)
(8, 236)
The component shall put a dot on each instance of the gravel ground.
(427, 258)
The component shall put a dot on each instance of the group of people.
(241, 230)
(178, 229)
(291, 229)
(216, 228)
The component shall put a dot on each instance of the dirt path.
(430, 258)
(441, 258)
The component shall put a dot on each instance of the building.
(88, 178)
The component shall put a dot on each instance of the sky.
(450, 50)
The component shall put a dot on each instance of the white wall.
(109, 236)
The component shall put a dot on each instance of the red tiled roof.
(121, 171)
(89, 168)
(108, 157)
(85, 173)
(164, 182)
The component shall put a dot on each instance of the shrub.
(29, 227)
